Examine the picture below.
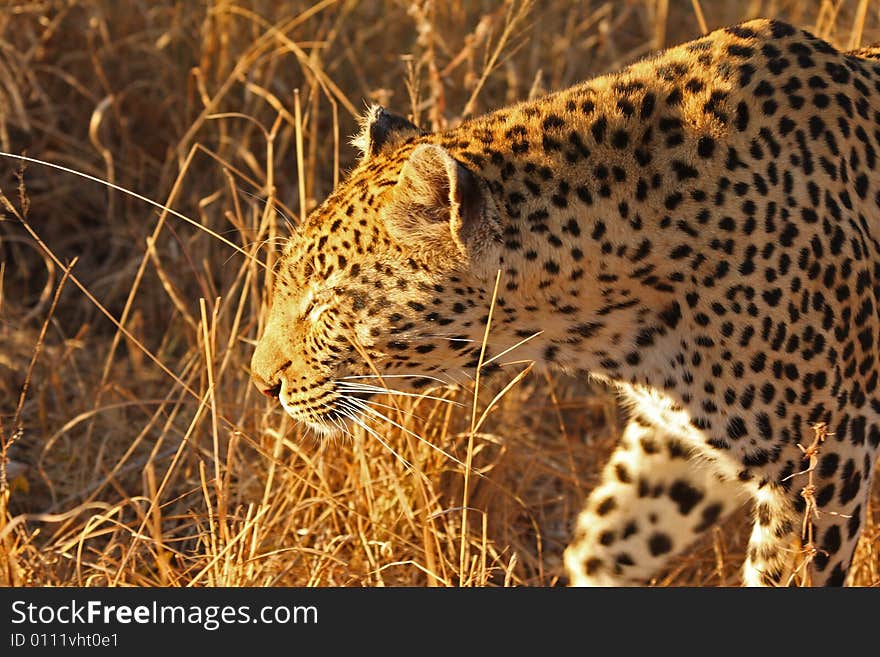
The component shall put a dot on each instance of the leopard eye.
(308, 305)
(315, 308)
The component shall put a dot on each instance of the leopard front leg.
(653, 501)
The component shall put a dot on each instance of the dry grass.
(139, 453)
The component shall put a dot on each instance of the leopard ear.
(380, 128)
(439, 206)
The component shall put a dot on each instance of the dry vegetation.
(136, 451)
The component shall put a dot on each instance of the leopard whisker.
(451, 338)
(350, 386)
(341, 426)
(262, 243)
(468, 375)
(388, 406)
(275, 207)
(256, 245)
(395, 376)
(446, 382)
(364, 408)
(308, 431)
(324, 425)
(343, 410)
(453, 379)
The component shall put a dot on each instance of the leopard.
(698, 231)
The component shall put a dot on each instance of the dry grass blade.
(141, 455)
(809, 549)
(701, 19)
(139, 197)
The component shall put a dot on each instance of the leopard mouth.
(334, 416)
(347, 403)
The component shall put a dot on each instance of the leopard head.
(392, 276)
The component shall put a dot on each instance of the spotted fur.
(699, 231)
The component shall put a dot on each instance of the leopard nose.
(267, 363)
(272, 392)
(265, 387)
(264, 373)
